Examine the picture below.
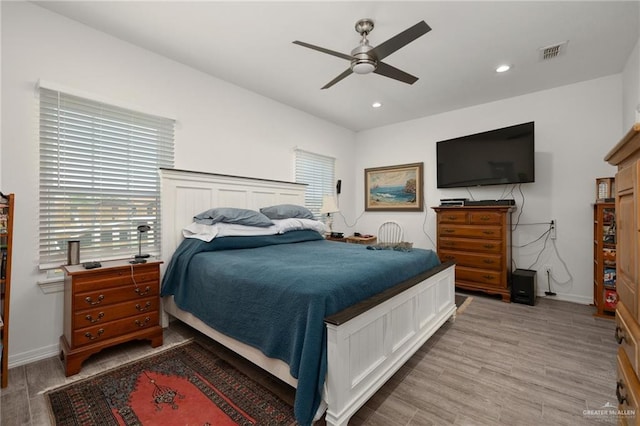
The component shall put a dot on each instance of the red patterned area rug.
(185, 385)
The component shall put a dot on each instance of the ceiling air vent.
(552, 51)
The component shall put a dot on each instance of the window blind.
(318, 172)
(99, 177)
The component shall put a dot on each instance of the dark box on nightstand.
(523, 286)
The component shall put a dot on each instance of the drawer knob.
(90, 301)
(143, 308)
(489, 277)
(485, 218)
(452, 217)
(144, 292)
(620, 337)
(98, 318)
(91, 336)
(143, 323)
(619, 387)
(489, 246)
(489, 261)
(488, 232)
(450, 231)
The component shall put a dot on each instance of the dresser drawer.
(103, 314)
(109, 296)
(489, 278)
(627, 334)
(470, 244)
(453, 217)
(485, 261)
(627, 390)
(485, 218)
(471, 231)
(99, 333)
(110, 278)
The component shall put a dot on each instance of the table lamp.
(329, 206)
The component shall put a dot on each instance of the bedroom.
(580, 121)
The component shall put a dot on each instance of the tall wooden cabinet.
(626, 156)
(6, 242)
(605, 296)
(478, 240)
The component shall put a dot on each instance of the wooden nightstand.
(341, 239)
(362, 240)
(106, 306)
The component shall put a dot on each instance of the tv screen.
(502, 156)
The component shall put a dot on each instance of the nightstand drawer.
(98, 333)
(106, 278)
(109, 296)
(103, 314)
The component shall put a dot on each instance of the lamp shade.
(329, 205)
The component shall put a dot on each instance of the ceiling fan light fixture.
(376, 104)
(363, 66)
(503, 68)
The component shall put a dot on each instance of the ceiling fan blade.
(400, 40)
(323, 50)
(393, 72)
(346, 73)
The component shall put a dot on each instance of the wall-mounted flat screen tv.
(496, 157)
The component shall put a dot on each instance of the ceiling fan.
(366, 58)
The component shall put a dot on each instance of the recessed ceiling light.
(503, 68)
(376, 104)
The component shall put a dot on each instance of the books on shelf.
(609, 280)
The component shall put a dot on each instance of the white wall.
(575, 127)
(220, 128)
(631, 89)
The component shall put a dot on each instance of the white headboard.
(186, 193)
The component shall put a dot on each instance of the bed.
(352, 342)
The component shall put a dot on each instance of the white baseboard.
(567, 298)
(16, 360)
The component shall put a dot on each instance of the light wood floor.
(497, 364)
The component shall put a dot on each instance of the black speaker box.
(523, 286)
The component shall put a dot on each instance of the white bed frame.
(366, 344)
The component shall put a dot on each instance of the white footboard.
(366, 350)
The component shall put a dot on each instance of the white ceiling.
(250, 44)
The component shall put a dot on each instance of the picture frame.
(394, 188)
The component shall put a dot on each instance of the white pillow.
(207, 233)
(296, 224)
(200, 231)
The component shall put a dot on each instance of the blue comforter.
(273, 293)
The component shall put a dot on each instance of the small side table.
(366, 240)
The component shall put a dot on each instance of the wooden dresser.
(109, 305)
(478, 240)
(626, 156)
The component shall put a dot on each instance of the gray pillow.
(286, 211)
(233, 215)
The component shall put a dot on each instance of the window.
(99, 178)
(318, 172)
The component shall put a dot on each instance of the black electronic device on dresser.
(523, 286)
